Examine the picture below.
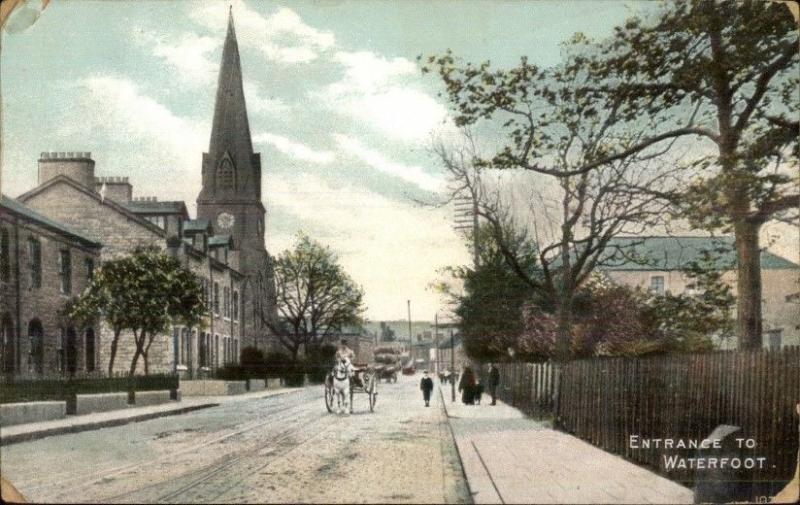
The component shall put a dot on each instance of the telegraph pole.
(410, 337)
(452, 367)
(436, 340)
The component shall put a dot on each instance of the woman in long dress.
(467, 386)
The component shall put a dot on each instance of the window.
(216, 298)
(89, 269)
(7, 341)
(36, 335)
(225, 175)
(216, 351)
(657, 284)
(236, 305)
(5, 256)
(775, 339)
(160, 221)
(201, 350)
(35, 262)
(65, 271)
(226, 302)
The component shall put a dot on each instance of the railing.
(58, 388)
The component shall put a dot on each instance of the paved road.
(286, 448)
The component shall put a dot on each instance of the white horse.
(342, 372)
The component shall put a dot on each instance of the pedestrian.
(466, 386)
(426, 385)
(478, 390)
(494, 381)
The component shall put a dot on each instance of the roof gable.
(18, 208)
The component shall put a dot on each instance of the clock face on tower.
(225, 221)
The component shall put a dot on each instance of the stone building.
(224, 246)
(43, 263)
(105, 211)
(659, 264)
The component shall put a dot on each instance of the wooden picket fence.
(606, 400)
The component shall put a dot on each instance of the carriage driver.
(345, 352)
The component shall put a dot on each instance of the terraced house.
(104, 211)
(42, 264)
(100, 218)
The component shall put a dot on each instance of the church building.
(224, 246)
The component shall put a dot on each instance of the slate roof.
(16, 207)
(146, 207)
(677, 253)
(218, 240)
(193, 225)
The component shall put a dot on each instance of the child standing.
(426, 385)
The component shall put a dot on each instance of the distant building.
(42, 264)
(658, 264)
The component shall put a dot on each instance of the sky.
(338, 108)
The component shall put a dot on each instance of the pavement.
(508, 458)
(74, 424)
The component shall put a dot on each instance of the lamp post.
(511, 353)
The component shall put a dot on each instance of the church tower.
(231, 194)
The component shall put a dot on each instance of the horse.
(342, 372)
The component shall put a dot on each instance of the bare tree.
(574, 230)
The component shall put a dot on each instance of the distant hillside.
(400, 328)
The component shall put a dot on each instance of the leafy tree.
(315, 296)
(553, 128)
(725, 73)
(489, 308)
(144, 293)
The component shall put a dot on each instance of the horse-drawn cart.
(363, 380)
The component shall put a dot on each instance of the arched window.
(68, 351)
(90, 350)
(7, 341)
(5, 256)
(36, 336)
(225, 174)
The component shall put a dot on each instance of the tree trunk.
(748, 285)
(139, 341)
(564, 330)
(135, 360)
(146, 353)
(114, 342)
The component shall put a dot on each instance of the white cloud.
(373, 158)
(295, 149)
(189, 54)
(382, 92)
(392, 249)
(135, 134)
(281, 36)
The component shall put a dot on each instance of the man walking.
(426, 385)
(494, 381)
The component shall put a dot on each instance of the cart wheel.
(329, 394)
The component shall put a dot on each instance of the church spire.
(231, 168)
